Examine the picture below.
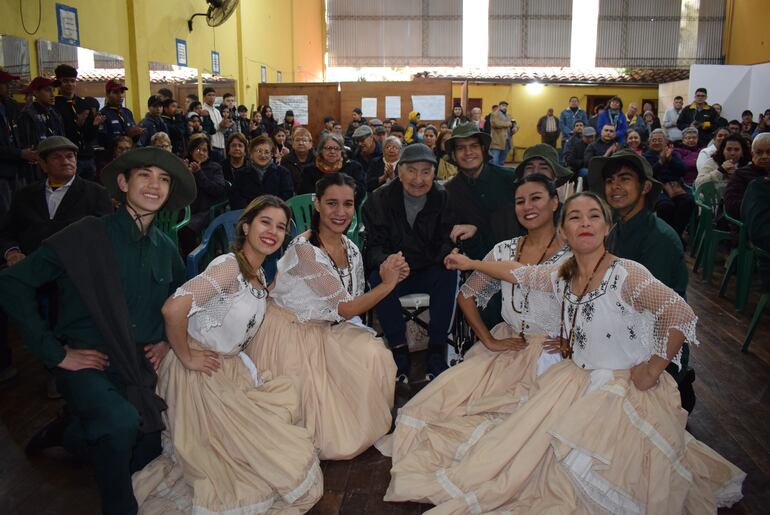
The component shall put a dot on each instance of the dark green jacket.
(149, 268)
(488, 203)
(650, 241)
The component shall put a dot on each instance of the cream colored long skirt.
(585, 442)
(462, 399)
(230, 446)
(345, 377)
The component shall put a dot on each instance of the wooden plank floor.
(731, 416)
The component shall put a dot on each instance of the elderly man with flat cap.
(411, 215)
(113, 273)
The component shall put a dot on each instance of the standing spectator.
(632, 116)
(502, 127)
(688, 150)
(594, 120)
(457, 117)
(207, 125)
(748, 125)
(398, 132)
(759, 167)
(720, 121)
(567, 120)
(732, 153)
(670, 119)
(256, 127)
(699, 115)
(188, 100)
(176, 124)
(329, 125)
(301, 155)
(410, 136)
(548, 128)
(357, 120)
(734, 126)
(268, 121)
(210, 184)
(648, 123)
(604, 147)
(675, 205)
(574, 155)
(229, 104)
(12, 156)
(118, 120)
(382, 169)
(153, 121)
(614, 116)
(411, 215)
(476, 117)
(220, 124)
(38, 121)
(81, 120)
(486, 126)
(243, 119)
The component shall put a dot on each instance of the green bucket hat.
(466, 130)
(599, 164)
(548, 154)
(183, 189)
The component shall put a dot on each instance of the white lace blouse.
(312, 286)
(482, 287)
(226, 309)
(622, 323)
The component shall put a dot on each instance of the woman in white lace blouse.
(602, 431)
(312, 333)
(234, 443)
(499, 370)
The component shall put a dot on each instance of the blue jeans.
(498, 156)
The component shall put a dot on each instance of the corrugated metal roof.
(561, 75)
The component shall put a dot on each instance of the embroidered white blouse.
(226, 309)
(622, 323)
(309, 284)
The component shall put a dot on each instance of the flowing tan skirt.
(230, 447)
(459, 401)
(585, 442)
(345, 377)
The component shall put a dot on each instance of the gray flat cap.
(362, 132)
(417, 152)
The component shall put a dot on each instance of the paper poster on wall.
(430, 107)
(369, 107)
(393, 107)
(67, 25)
(181, 52)
(297, 103)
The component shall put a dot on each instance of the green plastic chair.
(708, 199)
(223, 205)
(301, 210)
(761, 305)
(740, 263)
(170, 224)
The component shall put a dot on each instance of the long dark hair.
(251, 211)
(332, 179)
(548, 184)
(719, 155)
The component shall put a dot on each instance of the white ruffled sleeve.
(320, 277)
(211, 291)
(642, 291)
(481, 286)
(537, 277)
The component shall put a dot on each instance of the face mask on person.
(420, 137)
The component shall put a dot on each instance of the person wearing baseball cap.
(113, 274)
(81, 120)
(118, 120)
(38, 121)
(625, 180)
(411, 215)
(152, 122)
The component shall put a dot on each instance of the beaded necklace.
(567, 347)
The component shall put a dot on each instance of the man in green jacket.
(114, 274)
(626, 182)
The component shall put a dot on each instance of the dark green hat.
(548, 154)
(598, 165)
(183, 190)
(466, 130)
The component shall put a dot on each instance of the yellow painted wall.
(279, 35)
(746, 38)
(527, 108)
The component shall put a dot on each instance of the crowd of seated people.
(135, 350)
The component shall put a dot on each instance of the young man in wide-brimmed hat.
(625, 180)
(113, 274)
